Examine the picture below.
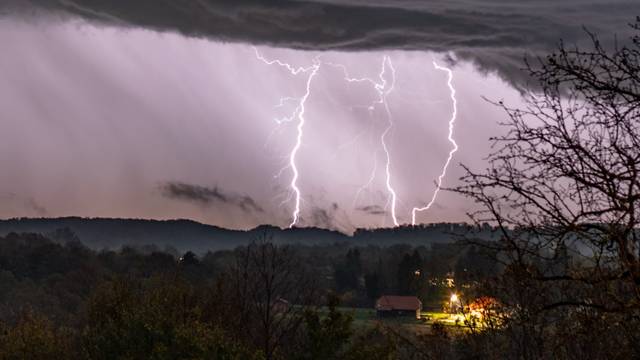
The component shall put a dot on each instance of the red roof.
(391, 302)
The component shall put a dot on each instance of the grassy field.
(367, 317)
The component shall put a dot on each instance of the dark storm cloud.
(494, 34)
(372, 210)
(208, 196)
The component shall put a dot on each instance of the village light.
(453, 299)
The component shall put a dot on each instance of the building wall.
(397, 313)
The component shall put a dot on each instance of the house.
(391, 305)
(281, 306)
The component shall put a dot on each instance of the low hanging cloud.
(372, 210)
(27, 204)
(34, 207)
(209, 196)
(326, 217)
(493, 34)
(322, 218)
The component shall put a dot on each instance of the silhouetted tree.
(269, 290)
(189, 258)
(37, 338)
(157, 320)
(565, 179)
(347, 274)
(410, 274)
(373, 285)
(326, 335)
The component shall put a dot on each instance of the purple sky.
(105, 121)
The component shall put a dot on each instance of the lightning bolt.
(298, 114)
(452, 122)
(383, 138)
(383, 88)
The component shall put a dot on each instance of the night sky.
(149, 110)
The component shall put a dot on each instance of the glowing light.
(454, 115)
(298, 113)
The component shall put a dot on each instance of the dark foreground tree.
(563, 186)
(34, 337)
(158, 319)
(268, 290)
(326, 335)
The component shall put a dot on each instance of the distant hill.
(99, 233)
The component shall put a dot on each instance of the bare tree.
(270, 288)
(563, 188)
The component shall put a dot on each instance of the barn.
(392, 306)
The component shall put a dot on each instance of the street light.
(453, 299)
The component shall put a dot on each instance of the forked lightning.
(383, 87)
